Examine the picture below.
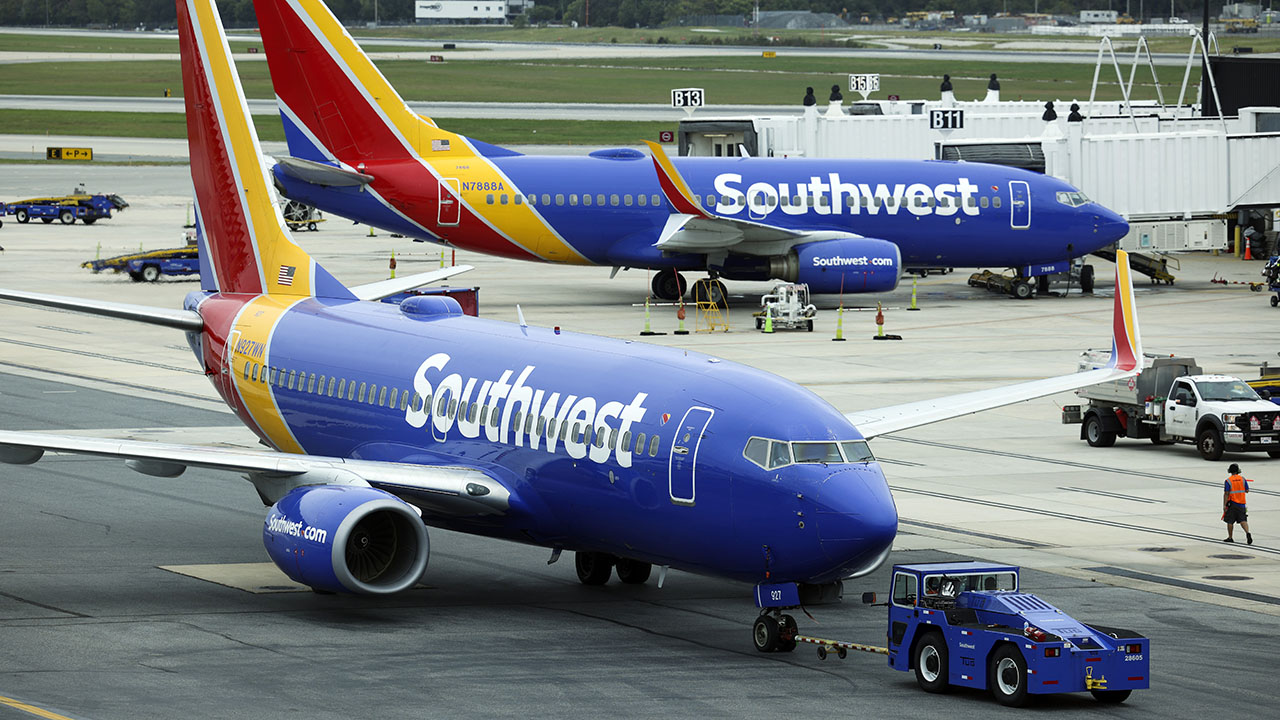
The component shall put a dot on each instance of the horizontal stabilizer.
(181, 319)
(386, 288)
(318, 173)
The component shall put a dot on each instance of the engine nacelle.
(851, 265)
(347, 539)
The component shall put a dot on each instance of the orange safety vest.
(1238, 489)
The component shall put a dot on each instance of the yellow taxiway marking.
(41, 712)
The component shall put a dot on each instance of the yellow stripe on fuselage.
(274, 245)
(251, 336)
(445, 154)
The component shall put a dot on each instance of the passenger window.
(255, 372)
(442, 406)
(293, 375)
(613, 438)
(551, 427)
(542, 424)
(626, 200)
(274, 372)
(311, 383)
(564, 431)
(824, 201)
(613, 200)
(586, 435)
(546, 199)
(985, 201)
(484, 415)
(493, 417)
(573, 200)
(404, 400)
(351, 390)
(559, 198)
(320, 386)
(626, 440)
(502, 199)
(489, 198)
(362, 389)
(382, 397)
(850, 201)
(971, 201)
(653, 446)
(904, 589)
(586, 200)
(995, 202)
(600, 199)
(643, 200)
(342, 387)
(639, 443)
(453, 408)
(532, 199)
(246, 369)
(809, 201)
(757, 451)
(528, 425)
(654, 200)
(331, 384)
(779, 454)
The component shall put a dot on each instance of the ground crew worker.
(1233, 504)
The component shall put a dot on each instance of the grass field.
(141, 44)
(727, 80)
(596, 133)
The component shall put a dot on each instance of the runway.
(92, 626)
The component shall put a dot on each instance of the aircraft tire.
(1023, 290)
(1086, 279)
(633, 572)
(669, 285)
(593, 568)
(765, 633)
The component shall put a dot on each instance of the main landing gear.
(595, 568)
(671, 286)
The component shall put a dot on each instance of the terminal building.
(468, 12)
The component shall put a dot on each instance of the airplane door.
(684, 455)
(1020, 204)
(449, 209)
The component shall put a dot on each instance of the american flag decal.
(286, 274)
(439, 145)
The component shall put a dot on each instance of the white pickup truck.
(1173, 401)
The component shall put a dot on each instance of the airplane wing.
(1125, 361)
(445, 490)
(386, 288)
(693, 228)
(318, 173)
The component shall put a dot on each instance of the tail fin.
(1126, 343)
(335, 103)
(244, 246)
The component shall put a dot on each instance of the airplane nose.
(1111, 227)
(857, 519)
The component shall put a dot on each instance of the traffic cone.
(839, 325)
(371, 232)
(648, 330)
(680, 315)
(442, 258)
(768, 320)
(880, 334)
(914, 281)
(392, 264)
(1248, 251)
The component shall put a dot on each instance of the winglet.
(1126, 344)
(674, 186)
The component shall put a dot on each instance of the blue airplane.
(384, 419)
(842, 226)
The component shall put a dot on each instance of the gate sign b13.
(687, 98)
(946, 119)
(865, 83)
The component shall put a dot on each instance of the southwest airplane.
(358, 151)
(406, 416)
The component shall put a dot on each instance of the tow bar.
(840, 648)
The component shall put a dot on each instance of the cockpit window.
(1072, 199)
(856, 451)
(757, 451)
(817, 452)
(779, 454)
(773, 454)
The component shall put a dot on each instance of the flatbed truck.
(66, 209)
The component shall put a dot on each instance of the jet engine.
(851, 265)
(347, 539)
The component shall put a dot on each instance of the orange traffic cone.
(1248, 253)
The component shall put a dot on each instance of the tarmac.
(123, 595)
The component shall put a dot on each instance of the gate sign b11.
(865, 83)
(687, 98)
(946, 119)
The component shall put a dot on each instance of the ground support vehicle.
(1271, 271)
(1154, 267)
(300, 216)
(968, 624)
(1030, 280)
(88, 209)
(787, 307)
(1172, 401)
(149, 266)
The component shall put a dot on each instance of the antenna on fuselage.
(524, 326)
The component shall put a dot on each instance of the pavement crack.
(106, 527)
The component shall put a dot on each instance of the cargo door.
(449, 209)
(684, 455)
(1019, 205)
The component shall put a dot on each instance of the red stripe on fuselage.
(219, 313)
(341, 118)
(226, 230)
(674, 196)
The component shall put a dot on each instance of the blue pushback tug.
(968, 624)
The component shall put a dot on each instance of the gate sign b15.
(865, 83)
(687, 98)
(946, 119)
